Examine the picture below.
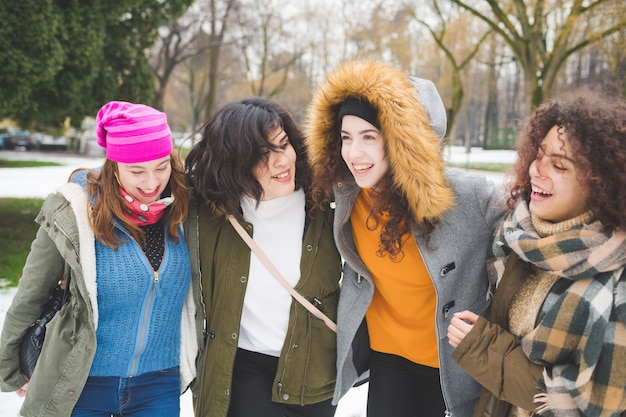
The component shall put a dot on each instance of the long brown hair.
(108, 204)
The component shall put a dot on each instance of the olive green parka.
(306, 367)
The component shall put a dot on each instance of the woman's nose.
(355, 149)
(536, 168)
(152, 181)
(279, 158)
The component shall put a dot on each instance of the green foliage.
(65, 58)
(30, 52)
(17, 231)
(15, 163)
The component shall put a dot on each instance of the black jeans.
(401, 388)
(251, 390)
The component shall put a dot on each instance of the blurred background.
(492, 60)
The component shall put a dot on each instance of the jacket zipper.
(143, 327)
(155, 280)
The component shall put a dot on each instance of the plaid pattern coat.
(580, 336)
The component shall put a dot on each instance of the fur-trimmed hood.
(412, 119)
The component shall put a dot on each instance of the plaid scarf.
(581, 335)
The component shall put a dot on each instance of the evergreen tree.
(65, 58)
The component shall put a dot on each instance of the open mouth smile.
(148, 194)
(361, 168)
(283, 176)
(539, 193)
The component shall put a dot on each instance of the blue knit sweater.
(139, 309)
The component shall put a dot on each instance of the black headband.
(359, 108)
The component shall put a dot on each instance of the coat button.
(227, 392)
(243, 280)
(295, 346)
(233, 335)
(309, 248)
(211, 335)
(285, 397)
(71, 392)
(447, 308)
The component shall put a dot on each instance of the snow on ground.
(39, 182)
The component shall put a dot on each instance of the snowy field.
(39, 182)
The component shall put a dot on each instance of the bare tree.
(218, 15)
(177, 44)
(449, 43)
(543, 34)
(269, 50)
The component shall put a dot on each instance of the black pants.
(251, 391)
(401, 388)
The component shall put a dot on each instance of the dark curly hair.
(219, 168)
(595, 127)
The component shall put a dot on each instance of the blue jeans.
(155, 394)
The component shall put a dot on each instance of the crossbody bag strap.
(281, 280)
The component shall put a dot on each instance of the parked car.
(17, 139)
(44, 141)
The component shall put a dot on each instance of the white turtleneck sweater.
(278, 230)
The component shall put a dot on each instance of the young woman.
(265, 354)
(116, 234)
(555, 340)
(414, 237)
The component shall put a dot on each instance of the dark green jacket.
(494, 357)
(306, 368)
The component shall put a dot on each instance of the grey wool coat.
(465, 210)
(457, 268)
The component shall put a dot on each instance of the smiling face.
(145, 181)
(557, 194)
(363, 150)
(277, 173)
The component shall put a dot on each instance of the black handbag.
(32, 342)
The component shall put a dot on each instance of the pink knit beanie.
(133, 133)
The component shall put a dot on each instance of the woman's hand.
(460, 325)
(22, 391)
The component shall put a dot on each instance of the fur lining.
(77, 197)
(411, 144)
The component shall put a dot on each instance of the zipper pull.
(156, 276)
